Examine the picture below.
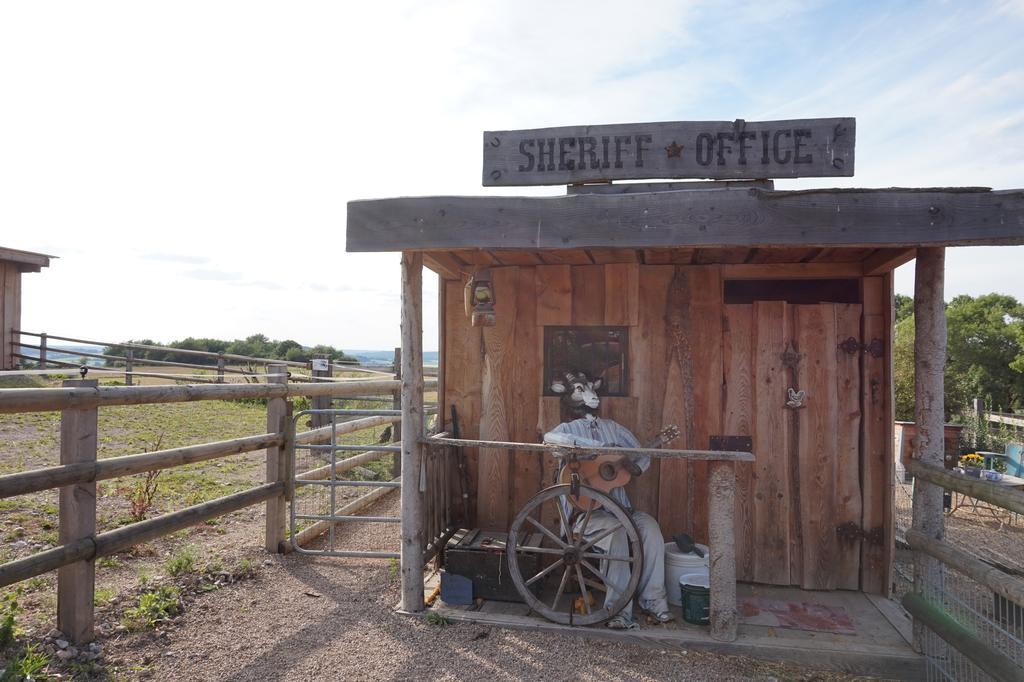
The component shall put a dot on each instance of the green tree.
(984, 355)
(904, 307)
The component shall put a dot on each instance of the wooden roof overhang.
(871, 230)
(27, 261)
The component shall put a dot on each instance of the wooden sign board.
(804, 148)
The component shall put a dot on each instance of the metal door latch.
(852, 346)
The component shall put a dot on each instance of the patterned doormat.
(796, 615)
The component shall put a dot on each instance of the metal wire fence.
(989, 616)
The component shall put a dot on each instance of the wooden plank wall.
(710, 369)
(10, 311)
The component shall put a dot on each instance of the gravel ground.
(308, 618)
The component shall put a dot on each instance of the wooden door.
(799, 504)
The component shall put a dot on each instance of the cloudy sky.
(190, 162)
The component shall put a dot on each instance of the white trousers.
(651, 588)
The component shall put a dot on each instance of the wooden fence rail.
(1007, 498)
(79, 470)
(48, 399)
(45, 350)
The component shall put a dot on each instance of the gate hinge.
(852, 346)
(851, 532)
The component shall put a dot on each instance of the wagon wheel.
(577, 560)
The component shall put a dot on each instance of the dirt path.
(308, 618)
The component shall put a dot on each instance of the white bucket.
(677, 564)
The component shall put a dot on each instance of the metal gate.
(324, 503)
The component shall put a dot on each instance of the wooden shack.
(12, 264)
(747, 312)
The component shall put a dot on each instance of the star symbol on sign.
(674, 150)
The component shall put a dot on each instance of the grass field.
(231, 544)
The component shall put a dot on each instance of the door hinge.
(852, 346)
(851, 532)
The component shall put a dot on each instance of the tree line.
(984, 354)
(257, 346)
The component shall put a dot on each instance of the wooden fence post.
(396, 404)
(76, 582)
(412, 431)
(318, 362)
(220, 368)
(929, 406)
(42, 351)
(277, 411)
(128, 358)
(722, 564)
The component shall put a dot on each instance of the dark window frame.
(550, 331)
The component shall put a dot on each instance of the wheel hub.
(571, 556)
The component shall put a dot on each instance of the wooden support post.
(412, 431)
(396, 404)
(722, 570)
(277, 412)
(128, 358)
(929, 363)
(320, 367)
(220, 368)
(42, 351)
(76, 582)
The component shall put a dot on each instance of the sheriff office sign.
(816, 147)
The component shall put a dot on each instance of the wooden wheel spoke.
(540, 526)
(608, 557)
(539, 550)
(561, 588)
(600, 536)
(604, 578)
(583, 589)
(586, 521)
(543, 573)
(561, 516)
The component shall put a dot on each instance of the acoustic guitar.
(607, 472)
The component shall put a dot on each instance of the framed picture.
(597, 351)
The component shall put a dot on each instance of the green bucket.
(696, 598)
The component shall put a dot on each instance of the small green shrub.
(9, 610)
(245, 568)
(103, 595)
(183, 561)
(26, 665)
(435, 618)
(153, 607)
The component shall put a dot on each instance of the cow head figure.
(578, 392)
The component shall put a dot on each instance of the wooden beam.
(660, 453)
(991, 577)
(278, 412)
(884, 260)
(25, 482)
(444, 264)
(929, 363)
(721, 538)
(708, 218)
(46, 399)
(792, 271)
(635, 187)
(26, 258)
(987, 491)
(76, 582)
(412, 430)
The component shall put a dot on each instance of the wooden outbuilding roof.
(28, 261)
